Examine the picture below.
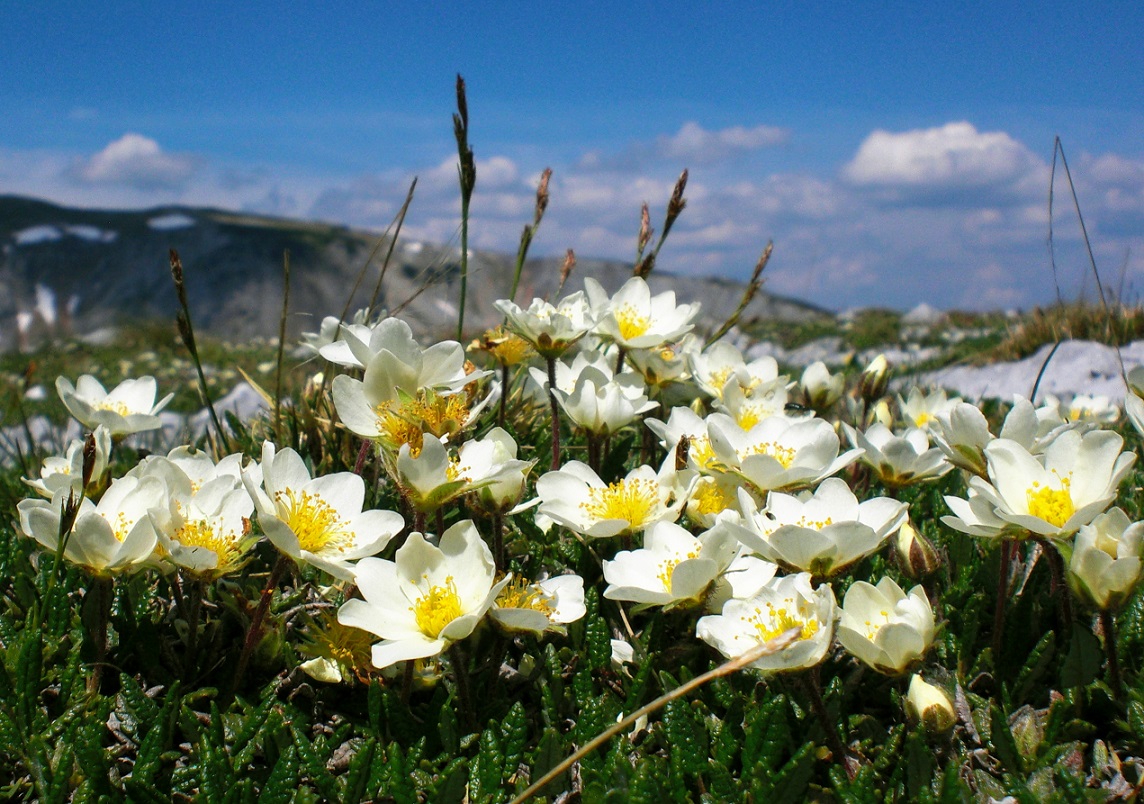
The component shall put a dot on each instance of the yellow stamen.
(667, 567)
(1055, 506)
(199, 533)
(314, 521)
(777, 621)
(632, 322)
(711, 498)
(632, 500)
(784, 455)
(114, 407)
(520, 594)
(437, 608)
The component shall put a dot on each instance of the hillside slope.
(68, 271)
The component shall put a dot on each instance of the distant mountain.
(78, 271)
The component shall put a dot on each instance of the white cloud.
(696, 145)
(952, 163)
(136, 161)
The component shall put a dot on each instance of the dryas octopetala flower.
(67, 472)
(884, 627)
(821, 533)
(114, 536)
(634, 319)
(550, 328)
(674, 568)
(922, 410)
(820, 388)
(748, 408)
(685, 424)
(575, 497)
(1049, 496)
(600, 405)
(1098, 409)
(129, 407)
(723, 363)
(543, 606)
(427, 597)
(432, 477)
(787, 604)
(1105, 566)
(205, 527)
(778, 453)
(318, 520)
(899, 460)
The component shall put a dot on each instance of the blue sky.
(897, 153)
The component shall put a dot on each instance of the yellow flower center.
(701, 451)
(199, 533)
(922, 419)
(453, 470)
(784, 455)
(520, 594)
(667, 567)
(876, 624)
(814, 524)
(114, 407)
(120, 525)
(314, 521)
(774, 622)
(1055, 506)
(632, 500)
(711, 498)
(507, 347)
(631, 322)
(437, 608)
(397, 428)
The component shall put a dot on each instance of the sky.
(897, 153)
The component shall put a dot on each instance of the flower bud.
(875, 378)
(820, 388)
(917, 555)
(929, 705)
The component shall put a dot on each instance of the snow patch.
(176, 220)
(37, 234)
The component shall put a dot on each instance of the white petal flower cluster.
(129, 407)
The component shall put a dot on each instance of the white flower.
(884, 627)
(318, 520)
(1106, 560)
(129, 407)
(550, 328)
(114, 536)
(575, 497)
(333, 330)
(635, 319)
(899, 460)
(786, 604)
(427, 598)
(821, 533)
(743, 578)
(535, 608)
(922, 410)
(748, 408)
(66, 473)
(722, 363)
(1099, 409)
(685, 423)
(601, 406)
(673, 568)
(506, 484)
(713, 498)
(778, 453)
(820, 388)
(1050, 496)
(431, 477)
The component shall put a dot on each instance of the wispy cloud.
(693, 145)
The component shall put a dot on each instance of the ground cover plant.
(589, 555)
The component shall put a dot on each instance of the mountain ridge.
(66, 271)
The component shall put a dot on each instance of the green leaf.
(1003, 744)
(357, 776)
(313, 765)
(448, 729)
(1035, 668)
(486, 770)
(1082, 664)
(686, 737)
(283, 778)
(550, 752)
(788, 786)
(514, 733)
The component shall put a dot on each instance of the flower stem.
(502, 412)
(813, 686)
(1108, 626)
(1059, 588)
(461, 675)
(102, 592)
(1002, 597)
(254, 632)
(498, 542)
(555, 413)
